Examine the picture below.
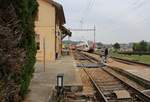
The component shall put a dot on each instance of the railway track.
(109, 87)
(135, 71)
(127, 61)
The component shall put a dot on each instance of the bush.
(142, 46)
(25, 11)
(116, 46)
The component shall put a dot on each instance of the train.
(87, 46)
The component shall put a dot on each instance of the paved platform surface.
(135, 69)
(138, 70)
(42, 84)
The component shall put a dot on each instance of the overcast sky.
(116, 20)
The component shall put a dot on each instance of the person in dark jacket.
(106, 54)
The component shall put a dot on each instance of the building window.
(38, 45)
(37, 39)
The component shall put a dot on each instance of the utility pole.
(44, 52)
(94, 35)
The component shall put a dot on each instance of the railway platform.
(137, 72)
(135, 69)
(43, 83)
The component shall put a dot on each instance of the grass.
(138, 58)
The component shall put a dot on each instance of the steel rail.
(100, 93)
(121, 59)
(96, 86)
(141, 95)
(135, 78)
(135, 62)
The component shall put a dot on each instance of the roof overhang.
(65, 32)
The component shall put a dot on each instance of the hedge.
(26, 12)
(26, 9)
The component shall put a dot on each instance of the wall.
(45, 26)
(58, 41)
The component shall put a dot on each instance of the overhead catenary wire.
(87, 10)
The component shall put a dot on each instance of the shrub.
(24, 12)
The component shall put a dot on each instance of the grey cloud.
(115, 20)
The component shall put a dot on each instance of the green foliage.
(137, 58)
(26, 11)
(142, 46)
(68, 42)
(136, 47)
(116, 46)
(99, 45)
(148, 47)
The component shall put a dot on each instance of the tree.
(148, 47)
(136, 47)
(143, 46)
(116, 46)
(99, 45)
(17, 47)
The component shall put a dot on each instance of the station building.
(50, 30)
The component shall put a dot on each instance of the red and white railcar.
(88, 46)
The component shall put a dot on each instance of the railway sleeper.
(124, 96)
(110, 89)
(110, 85)
(108, 82)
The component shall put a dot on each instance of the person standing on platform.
(106, 55)
(102, 57)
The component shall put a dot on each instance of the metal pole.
(94, 35)
(44, 52)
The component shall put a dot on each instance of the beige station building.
(50, 30)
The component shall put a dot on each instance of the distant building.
(126, 47)
(50, 30)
